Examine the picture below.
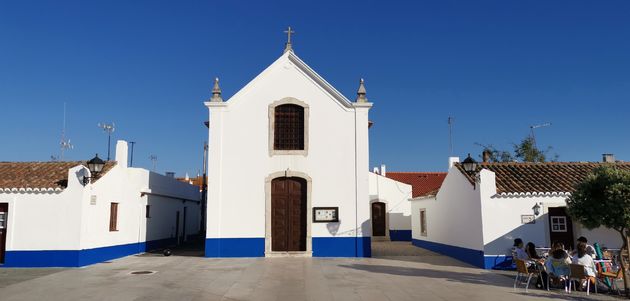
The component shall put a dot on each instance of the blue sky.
(497, 67)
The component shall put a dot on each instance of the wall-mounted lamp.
(536, 209)
(95, 165)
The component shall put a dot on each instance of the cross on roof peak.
(288, 46)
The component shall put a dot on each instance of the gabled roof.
(549, 177)
(294, 60)
(422, 183)
(39, 176)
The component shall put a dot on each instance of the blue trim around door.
(78, 258)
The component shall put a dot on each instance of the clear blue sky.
(496, 67)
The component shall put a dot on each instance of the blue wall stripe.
(400, 235)
(322, 247)
(342, 246)
(473, 257)
(78, 258)
(498, 262)
(235, 247)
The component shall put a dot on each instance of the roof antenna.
(532, 127)
(450, 135)
(109, 129)
(65, 143)
(153, 159)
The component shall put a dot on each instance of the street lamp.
(95, 165)
(469, 164)
(536, 209)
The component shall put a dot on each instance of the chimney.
(486, 155)
(170, 174)
(383, 171)
(608, 158)
(376, 171)
(121, 153)
(452, 161)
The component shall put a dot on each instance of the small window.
(3, 220)
(558, 224)
(288, 127)
(113, 217)
(148, 211)
(423, 222)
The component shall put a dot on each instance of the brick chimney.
(608, 158)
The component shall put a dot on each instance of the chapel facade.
(288, 167)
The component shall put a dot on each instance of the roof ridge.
(417, 172)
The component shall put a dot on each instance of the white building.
(390, 209)
(50, 218)
(475, 218)
(288, 167)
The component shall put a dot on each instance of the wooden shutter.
(288, 127)
(113, 217)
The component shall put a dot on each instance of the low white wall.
(396, 196)
(453, 216)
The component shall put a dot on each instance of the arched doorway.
(288, 214)
(379, 226)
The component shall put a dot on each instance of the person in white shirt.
(582, 258)
(589, 249)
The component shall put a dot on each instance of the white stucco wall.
(453, 216)
(68, 221)
(396, 197)
(240, 162)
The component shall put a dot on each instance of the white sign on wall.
(93, 200)
(528, 219)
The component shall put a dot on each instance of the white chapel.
(288, 167)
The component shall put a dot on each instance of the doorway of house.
(4, 212)
(288, 214)
(177, 237)
(560, 227)
(378, 219)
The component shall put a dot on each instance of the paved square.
(423, 276)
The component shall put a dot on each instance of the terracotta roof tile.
(40, 174)
(512, 177)
(422, 183)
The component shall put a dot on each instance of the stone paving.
(418, 275)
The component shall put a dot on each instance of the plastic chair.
(612, 277)
(522, 270)
(578, 274)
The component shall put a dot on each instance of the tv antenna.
(537, 126)
(153, 159)
(109, 129)
(65, 143)
(450, 134)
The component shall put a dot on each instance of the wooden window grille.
(288, 127)
(113, 217)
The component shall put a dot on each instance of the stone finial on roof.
(361, 92)
(216, 92)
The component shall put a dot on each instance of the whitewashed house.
(55, 214)
(475, 217)
(390, 208)
(288, 167)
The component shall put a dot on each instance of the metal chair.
(522, 270)
(578, 274)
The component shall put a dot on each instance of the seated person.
(530, 249)
(519, 252)
(582, 258)
(536, 263)
(590, 250)
(558, 263)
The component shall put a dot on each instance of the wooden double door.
(288, 214)
(560, 227)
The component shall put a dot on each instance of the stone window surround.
(309, 241)
(272, 117)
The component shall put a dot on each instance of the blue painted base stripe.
(322, 247)
(470, 256)
(342, 246)
(78, 258)
(498, 262)
(400, 235)
(235, 247)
